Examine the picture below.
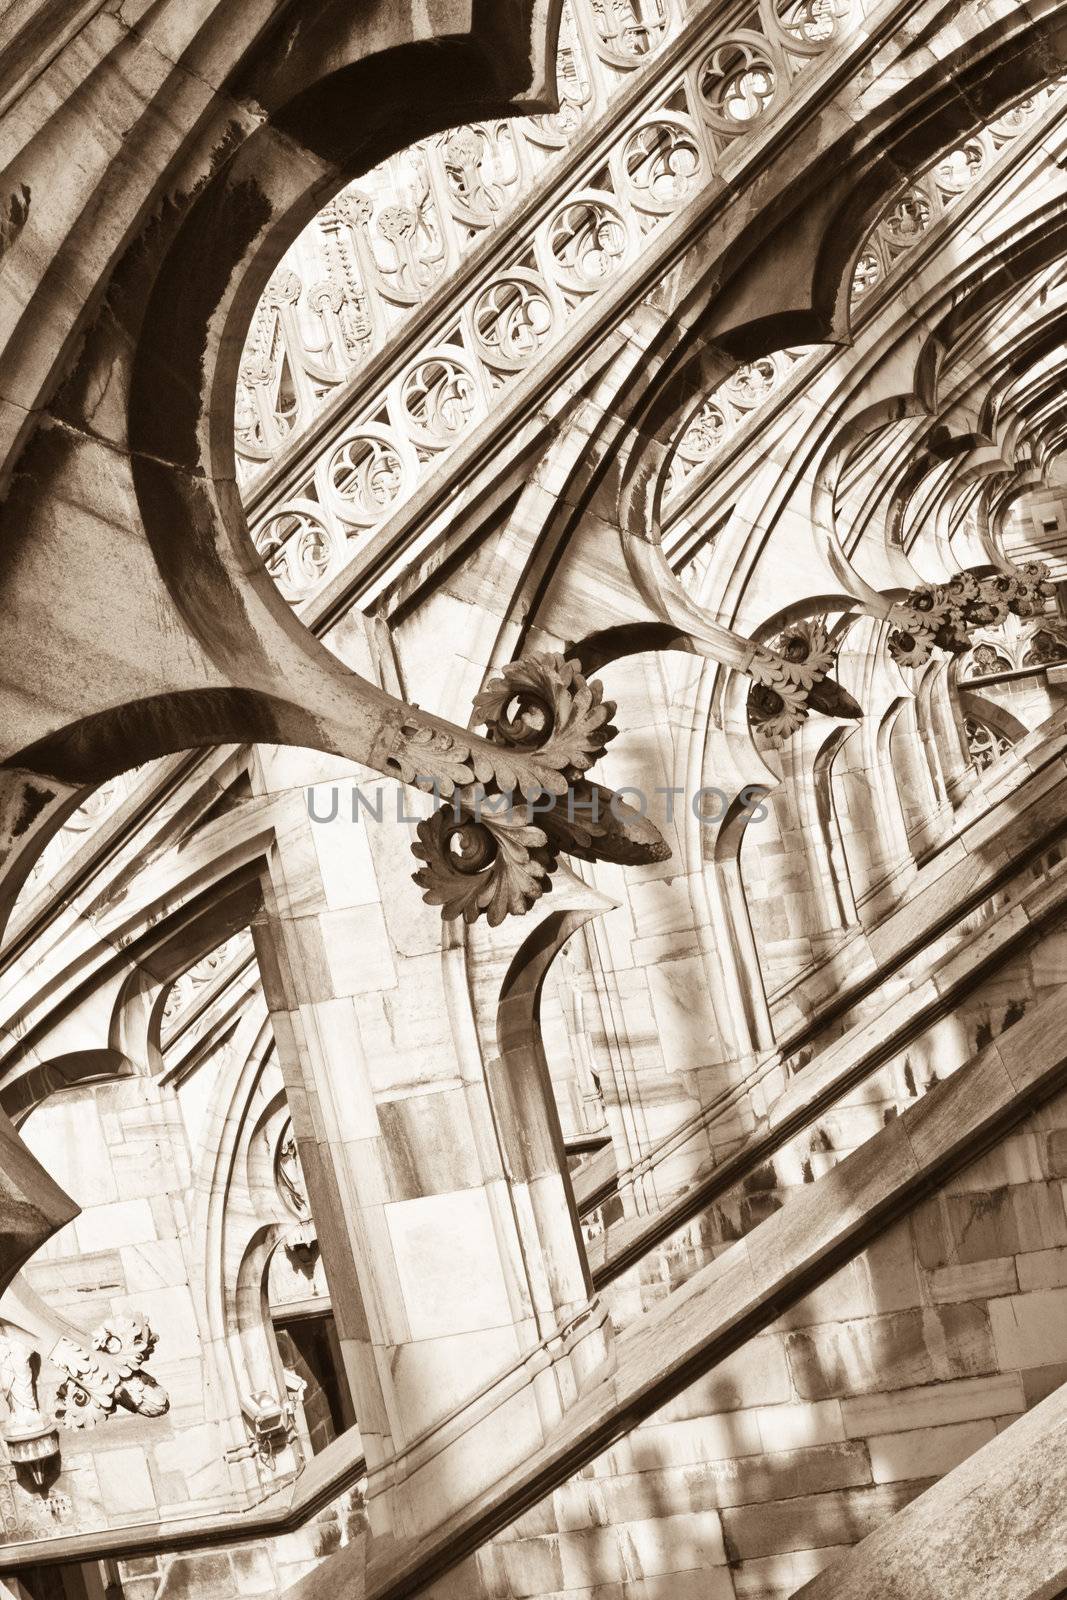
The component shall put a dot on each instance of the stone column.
(919, 800)
(449, 1327)
(683, 1005)
(795, 867)
(868, 811)
(943, 732)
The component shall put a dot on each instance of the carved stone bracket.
(946, 615)
(791, 679)
(108, 1374)
(100, 1377)
(270, 1423)
(490, 853)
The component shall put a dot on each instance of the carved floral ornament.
(102, 1376)
(946, 615)
(792, 680)
(486, 853)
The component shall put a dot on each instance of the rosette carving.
(544, 707)
(492, 851)
(479, 861)
(783, 681)
(545, 726)
(944, 616)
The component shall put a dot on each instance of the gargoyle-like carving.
(945, 615)
(783, 683)
(108, 1375)
(489, 853)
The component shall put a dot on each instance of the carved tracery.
(349, 286)
(931, 192)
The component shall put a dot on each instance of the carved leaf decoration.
(107, 1373)
(430, 758)
(554, 721)
(489, 854)
(79, 1407)
(991, 610)
(792, 675)
(964, 589)
(783, 677)
(496, 865)
(946, 615)
(776, 728)
(128, 1340)
(911, 649)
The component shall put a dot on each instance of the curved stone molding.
(386, 243)
(719, 416)
(934, 190)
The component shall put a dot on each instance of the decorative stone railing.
(984, 744)
(932, 192)
(377, 251)
(1014, 645)
(905, 219)
(725, 409)
(519, 293)
(201, 979)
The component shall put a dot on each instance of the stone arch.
(221, 656)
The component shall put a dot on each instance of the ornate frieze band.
(381, 248)
(931, 192)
